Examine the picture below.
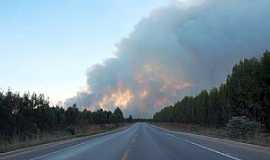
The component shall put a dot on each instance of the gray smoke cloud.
(176, 51)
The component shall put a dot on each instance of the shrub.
(71, 130)
(241, 127)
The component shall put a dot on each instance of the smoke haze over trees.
(178, 50)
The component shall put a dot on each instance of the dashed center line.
(125, 155)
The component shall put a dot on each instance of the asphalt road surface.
(143, 141)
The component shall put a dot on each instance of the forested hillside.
(246, 93)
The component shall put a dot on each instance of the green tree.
(265, 117)
(117, 116)
(72, 115)
(130, 119)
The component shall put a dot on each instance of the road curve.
(143, 141)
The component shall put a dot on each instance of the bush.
(241, 127)
(71, 130)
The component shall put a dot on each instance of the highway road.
(143, 141)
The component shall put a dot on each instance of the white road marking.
(75, 146)
(26, 150)
(213, 150)
(60, 150)
(200, 146)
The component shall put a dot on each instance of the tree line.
(246, 92)
(27, 115)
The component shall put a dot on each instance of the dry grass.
(54, 136)
(260, 138)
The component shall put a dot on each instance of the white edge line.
(57, 151)
(201, 146)
(76, 145)
(213, 150)
(28, 149)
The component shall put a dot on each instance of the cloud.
(177, 51)
(188, 3)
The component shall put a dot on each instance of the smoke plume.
(176, 51)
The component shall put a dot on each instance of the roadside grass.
(54, 136)
(260, 138)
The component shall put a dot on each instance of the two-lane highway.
(143, 141)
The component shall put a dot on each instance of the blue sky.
(47, 46)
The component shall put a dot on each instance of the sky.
(139, 55)
(47, 46)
